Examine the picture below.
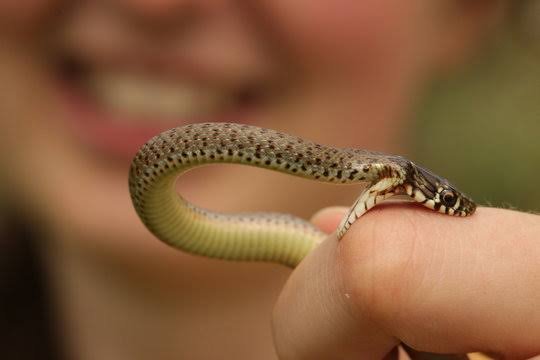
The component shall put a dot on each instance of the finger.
(444, 284)
(438, 283)
(328, 219)
(312, 319)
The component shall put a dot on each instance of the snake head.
(437, 193)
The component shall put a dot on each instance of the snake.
(269, 237)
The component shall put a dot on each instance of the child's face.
(85, 83)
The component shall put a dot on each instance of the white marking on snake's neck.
(430, 204)
(419, 196)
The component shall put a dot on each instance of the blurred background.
(482, 124)
(79, 274)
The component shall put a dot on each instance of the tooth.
(137, 95)
(409, 189)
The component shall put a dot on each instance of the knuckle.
(381, 266)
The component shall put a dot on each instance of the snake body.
(267, 236)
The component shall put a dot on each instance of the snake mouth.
(436, 193)
(450, 201)
(446, 200)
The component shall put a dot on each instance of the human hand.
(403, 274)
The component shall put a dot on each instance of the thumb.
(312, 318)
(328, 219)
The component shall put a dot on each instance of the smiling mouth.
(114, 109)
(139, 94)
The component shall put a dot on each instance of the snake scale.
(270, 237)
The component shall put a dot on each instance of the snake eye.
(449, 198)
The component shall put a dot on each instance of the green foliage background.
(482, 126)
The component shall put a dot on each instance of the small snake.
(271, 237)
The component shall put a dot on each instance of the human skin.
(404, 274)
(345, 74)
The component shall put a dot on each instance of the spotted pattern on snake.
(272, 237)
